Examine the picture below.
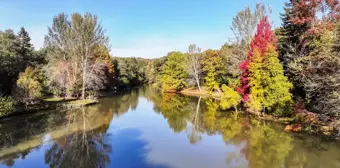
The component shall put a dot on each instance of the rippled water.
(144, 129)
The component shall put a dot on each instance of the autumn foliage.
(263, 37)
(263, 84)
(306, 13)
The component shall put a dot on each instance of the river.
(145, 129)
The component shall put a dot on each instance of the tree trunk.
(83, 86)
(198, 84)
(84, 74)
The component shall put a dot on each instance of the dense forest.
(281, 71)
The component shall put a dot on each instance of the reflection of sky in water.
(173, 149)
(34, 159)
(143, 138)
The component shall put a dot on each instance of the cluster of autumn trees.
(265, 69)
(74, 62)
(261, 68)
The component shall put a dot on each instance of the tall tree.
(264, 86)
(9, 69)
(245, 22)
(302, 24)
(244, 28)
(60, 52)
(25, 48)
(74, 41)
(290, 42)
(261, 41)
(302, 27)
(318, 73)
(174, 74)
(269, 88)
(213, 69)
(194, 66)
(8, 43)
(16, 53)
(88, 33)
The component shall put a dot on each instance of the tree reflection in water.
(80, 138)
(194, 134)
(174, 109)
(266, 147)
(84, 148)
(262, 145)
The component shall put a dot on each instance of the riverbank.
(301, 121)
(50, 104)
(197, 92)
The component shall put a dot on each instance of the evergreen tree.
(319, 74)
(24, 42)
(11, 61)
(25, 48)
(300, 30)
(290, 45)
(263, 37)
(269, 89)
(174, 73)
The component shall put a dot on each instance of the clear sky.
(143, 28)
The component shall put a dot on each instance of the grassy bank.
(197, 92)
(49, 104)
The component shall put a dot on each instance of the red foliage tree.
(306, 11)
(263, 37)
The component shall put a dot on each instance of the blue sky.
(144, 28)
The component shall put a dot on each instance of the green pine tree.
(24, 42)
(290, 42)
(24, 49)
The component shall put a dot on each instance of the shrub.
(6, 106)
(30, 85)
(229, 98)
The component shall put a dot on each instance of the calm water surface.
(144, 129)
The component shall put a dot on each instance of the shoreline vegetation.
(289, 74)
(55, 103)
(303, 121)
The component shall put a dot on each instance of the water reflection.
(85, 147)
(143, 128)
(266, 147)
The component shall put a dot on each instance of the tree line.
(74, 62)
(260, 68)
(264, 69)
